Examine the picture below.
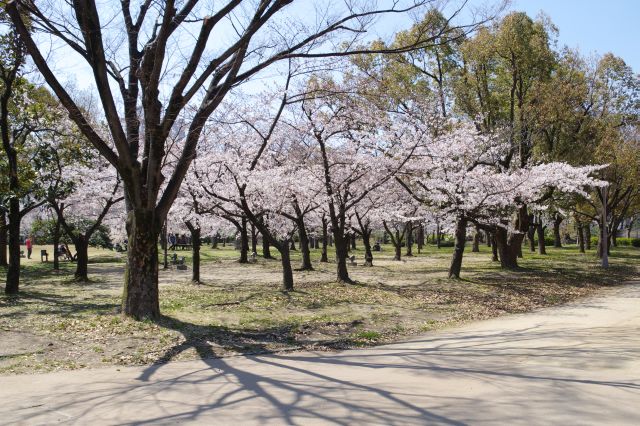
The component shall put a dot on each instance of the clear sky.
(593, 25)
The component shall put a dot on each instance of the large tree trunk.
(140, 299)
(507, 245)
(557, 241)
(287, 271)
(13, 271)
(542, 248)
(304, 247)
(458, 250)
(409, 234)
(476, 241)
(366, 241)
(244, 242)
(254, 239)
(266, 248)
(489, 238)
(325, 240)
(531, 236)
(195, 246)
(580, 231)
(3, 239)
(81, 243)
(587, 235)
(494, 248)
(342, 252)
(438, 235)
(420, 241)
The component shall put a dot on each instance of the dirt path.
(577, 364)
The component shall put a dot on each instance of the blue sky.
(593, 25)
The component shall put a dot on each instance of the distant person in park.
(29, 245)
(172, 241)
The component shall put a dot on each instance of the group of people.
(180, 240)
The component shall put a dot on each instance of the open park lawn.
(57, 323)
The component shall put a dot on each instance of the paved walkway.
(578, 364)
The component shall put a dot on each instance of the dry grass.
(57, 323)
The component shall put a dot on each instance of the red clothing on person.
(28, 243)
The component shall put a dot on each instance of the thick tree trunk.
(409, 234)
(397, 244)
(266, 248)
(420, 241)
(366, 241)
(438, 235)
(140, 299)
(542, 248)
(494, 248)
(489, 238)
(531, 236)
(325, 240)
(557, 241)
(476, 241)
(81, 244)
(304, 247)
(458, 250)
(254, 239)
(587, 235)
(214, 241)
(195, 247)
(580, 232)
(13, 270)
(287, 271)
(3, 239)
(244, 242)
(342, 252)
(507, 246)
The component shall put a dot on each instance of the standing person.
(29, 245)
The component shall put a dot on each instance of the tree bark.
(489, 238)
(409, 234)
(557, 241)
(287, 271)
(140, 299)
(476, 241)
(81, 244)
(531, 236)
(195, 247)
(458, 250)
(587, 235)
(323, 257)
(420, 238)
(3, 239)
(304, 246)
(13, 271)
(244, 241)
(254, 239)
(507, 246)
(342, 252)
(580, 231)
(366, 241)
(438, 235)
(494, 248)
(353, 241)
(542, 248)
(266, 248)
